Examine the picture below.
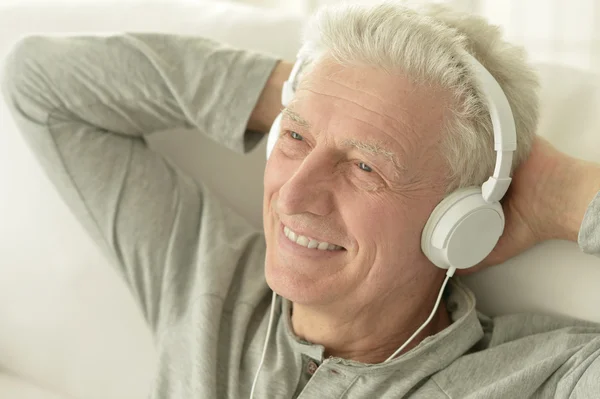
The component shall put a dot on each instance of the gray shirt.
(86, 106)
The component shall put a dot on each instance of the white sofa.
(68, 327)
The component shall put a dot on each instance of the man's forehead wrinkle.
(399, 109)
(300, 120)
(404, 124)
(343, 82)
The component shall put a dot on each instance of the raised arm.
(86, 104)
(552, 196)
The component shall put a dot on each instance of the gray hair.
(428, 45)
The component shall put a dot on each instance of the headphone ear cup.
(462, 230)
(273, 135)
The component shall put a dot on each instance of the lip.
(289, 246)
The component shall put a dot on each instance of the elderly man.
(386, 120)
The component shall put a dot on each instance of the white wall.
(558, 31)
(61, 332)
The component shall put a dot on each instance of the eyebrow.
(296, 118)
(371, 148)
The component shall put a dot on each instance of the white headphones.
(465, 226)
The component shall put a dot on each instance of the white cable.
(449, 274)
(264, 352)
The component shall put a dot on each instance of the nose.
(310, 188)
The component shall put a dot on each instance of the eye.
(365, 167)
(296, 136)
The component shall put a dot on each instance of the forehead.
(370, 103)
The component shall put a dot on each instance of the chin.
(286, 283)
(294, 286)
(298, 275)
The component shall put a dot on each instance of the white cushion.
(68, 322)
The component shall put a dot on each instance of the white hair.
(428, 44)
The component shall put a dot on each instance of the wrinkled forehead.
(367, 77)
(390, 102)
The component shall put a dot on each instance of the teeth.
(323, 246)
(301, 240)
(309, 242)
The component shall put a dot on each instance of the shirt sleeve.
(86, 105)
(589, 232)
(588, 385)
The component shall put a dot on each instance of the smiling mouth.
(308, 242)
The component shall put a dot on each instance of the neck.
(370, 334)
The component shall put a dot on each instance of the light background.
(68, 328)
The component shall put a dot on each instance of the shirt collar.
(434, 352)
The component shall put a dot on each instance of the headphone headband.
(289, 86)
(503, 124)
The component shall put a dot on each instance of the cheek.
(388, 225)
(273, 179)
(276, 174)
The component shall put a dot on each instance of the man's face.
(356, 166)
